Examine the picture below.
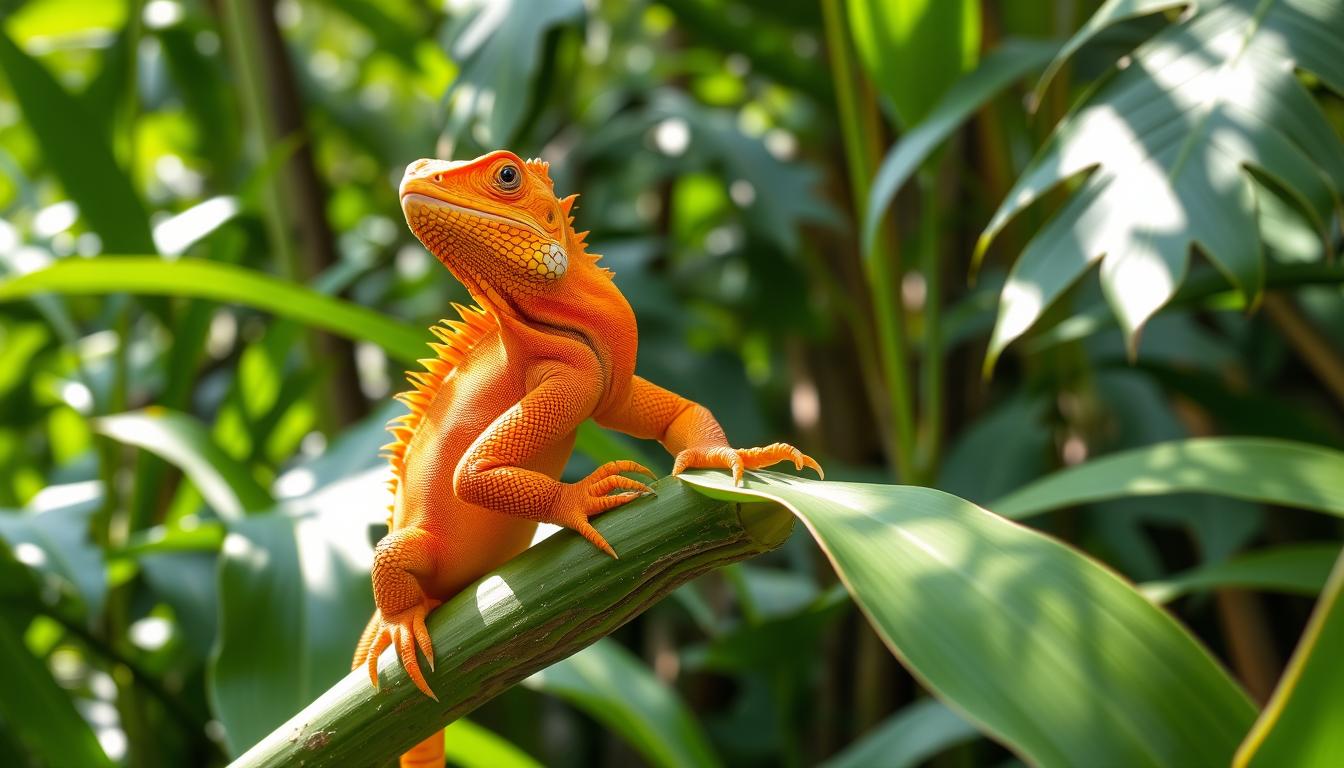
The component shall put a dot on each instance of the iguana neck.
(590, 310)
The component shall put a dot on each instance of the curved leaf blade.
(294, 594)
(618, 690)
(1168, 145)
(1255, 469)
(38, 710)
(1300, 725)
(88, 172)
(225, 282)
(1298, 569)
(201, 279)
(908, 738)
(226, 484)
(1013, 629)
(1009, 63)
(469, 745)
(939, 39)
(1110, 13)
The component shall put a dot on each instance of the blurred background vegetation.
(190, 484)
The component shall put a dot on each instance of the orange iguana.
(476, 462)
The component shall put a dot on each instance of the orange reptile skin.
(476, 462)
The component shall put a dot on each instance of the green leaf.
(294, 595)
(227, 486)
(1300, 724)
(1298, 568)
(1009, 63)
(38, 710)
(52, 538)
(469, 745)
(618, 690)
(1255, 469)
(83, 163)
(908, 738)
(1166, 147)
(497, 47)
(221, 282)
(1110, 13)
(228, 283)
(1014, 630)
(915, 49)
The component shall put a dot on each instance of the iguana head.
(497, 224)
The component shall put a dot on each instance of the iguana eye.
(508, 178)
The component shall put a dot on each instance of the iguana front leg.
(490, 474)
(691, 433)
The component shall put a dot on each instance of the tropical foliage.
(1065, 515)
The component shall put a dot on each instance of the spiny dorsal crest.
(541, 168)
(459, 338)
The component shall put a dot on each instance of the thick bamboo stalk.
(550, 602)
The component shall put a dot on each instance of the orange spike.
(567, 205)
(541, 168)
(457, 337)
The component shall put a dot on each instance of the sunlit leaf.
(618, 690)
(1271, 471)
(1110, 13)
(1165, 146)
(52, 537)
(222, 282)
(497, 47)
(1300, 724)
(226, 282)
(294, 595)
(915, 49)
(227, 486)
(83, 162)
(1013, 629)
(469, 745)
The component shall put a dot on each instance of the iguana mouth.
(435, 202)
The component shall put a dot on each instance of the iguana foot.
(736, 460)
(589, 497)
(407, 631)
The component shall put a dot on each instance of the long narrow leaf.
(1009, 63)
(1271, 471)
(616, 689)
(75, 153)
(227, 485)
(909, 737)
(1301, 724)
(229, 283)
(38, 710)
(1014, 630)
(221, 282)
(1299, 569)
(469, 745)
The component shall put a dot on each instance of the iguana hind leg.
(400, 561)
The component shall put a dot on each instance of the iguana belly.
(471, 540)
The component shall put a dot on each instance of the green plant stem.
(882, 263)
(544, 605)
(931, 364)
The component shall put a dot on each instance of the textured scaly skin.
(492, 420)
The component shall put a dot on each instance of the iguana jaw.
(490, 238)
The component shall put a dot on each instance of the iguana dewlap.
(492, 419)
